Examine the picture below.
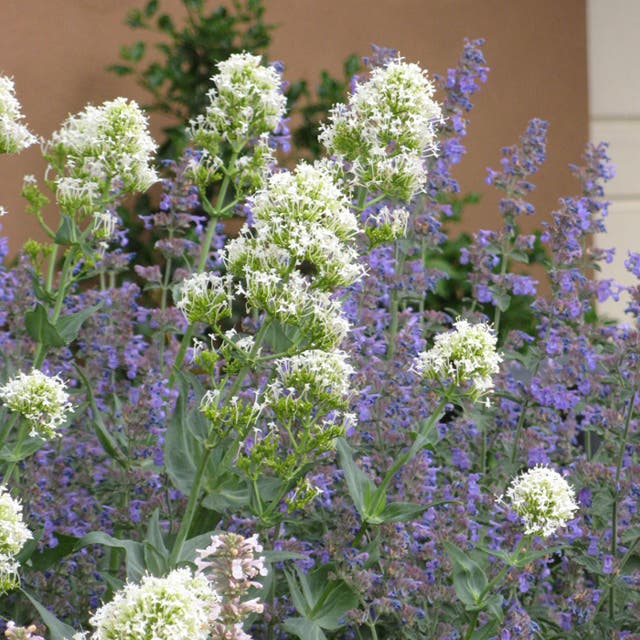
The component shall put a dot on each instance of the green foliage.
(177, 72)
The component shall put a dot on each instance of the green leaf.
(151, 8)
(120, 69)
(485, 632)
(403, 511)
(469, 580)
(359, 484)
(28, 448)
(320, 599)
(40, 560)
(67, 231)
(303, 629)
(40, 329)
(156, 554)
(58, 630)
(68, 326)
(134, 550)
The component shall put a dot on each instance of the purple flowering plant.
(275, 435)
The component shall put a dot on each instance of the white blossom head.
(543, 499)
(41, 399)
(205, 297)
(310, 379)
(387, 129)
(302, 219)
(99, 150)
(180, 606)
(465, 357)
(13, 534)
(245, 102)
(14, 136)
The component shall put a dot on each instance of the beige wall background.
(57, 50)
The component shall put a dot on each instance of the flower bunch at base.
(180, 606)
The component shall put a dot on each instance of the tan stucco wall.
(56, 50)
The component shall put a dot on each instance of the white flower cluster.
(386, 130)
(465, 356)
(14, 136)
(308, 380)
(543, 499)
(299, 251)
(13, 534)
(180, 606)
(205, 297)
(40, 399)
(246, 105)
(99, 150)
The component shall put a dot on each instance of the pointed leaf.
(39, 328)
(360, 486)
(69, 325)
(58, 630)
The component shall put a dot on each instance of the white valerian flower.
(309, 379)
(13, 531)
(205, 297)
(41, 399)
(180, 606)
(104, 224)
(245, 102)
(13, 534)
(387, 129)
(543, 499)
(465, 356)
(102, 149)
(14, 136)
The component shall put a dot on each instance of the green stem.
(614, 514)
(215, 213)
(403, 458)
(492, 583)
(190, 511)
(23, 429)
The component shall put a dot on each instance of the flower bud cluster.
(232, 563)
(101, 150)
(387, 129)
(205, 297)
(386, 225)
(229, 414)
(466, 356)
(40, 399)
(246, 105)
(543, 499)
(14, 136)
(13, 534)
